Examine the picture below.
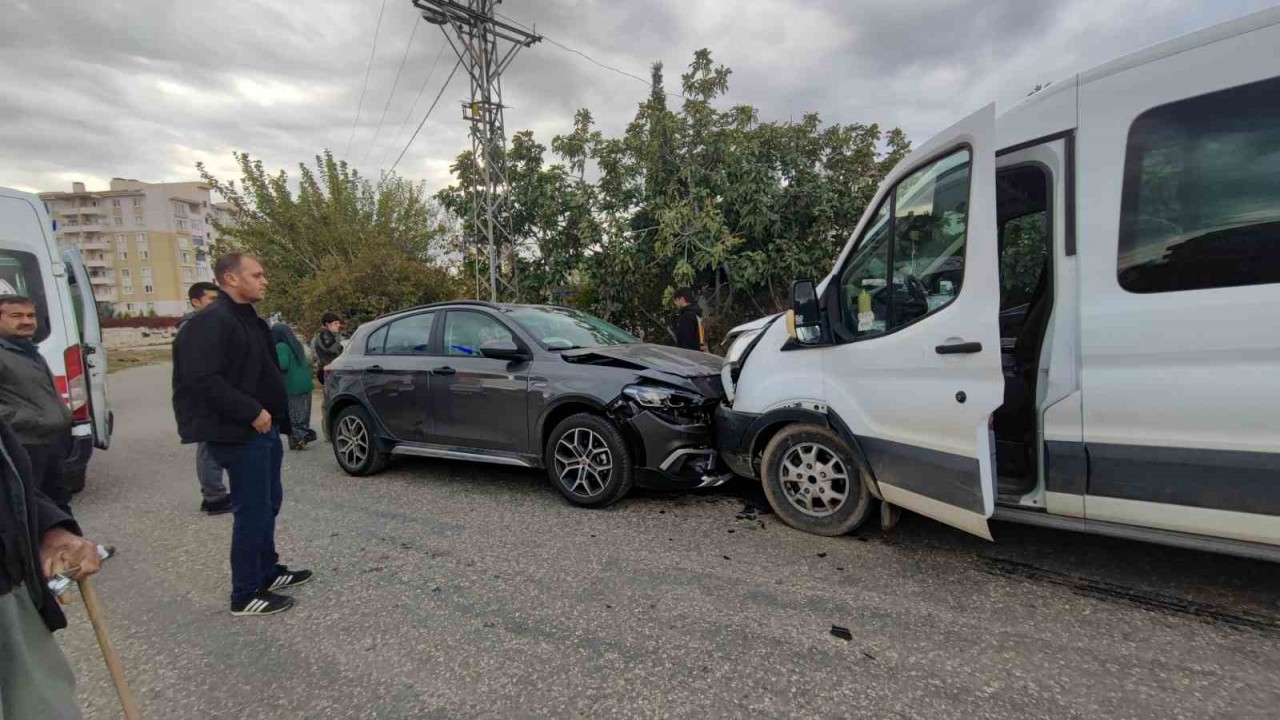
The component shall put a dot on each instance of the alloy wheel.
(583, 462)
(814, 479)
(352, 441)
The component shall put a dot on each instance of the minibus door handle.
(959, 348)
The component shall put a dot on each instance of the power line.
(590, 59)
(424, 117)
(395, 84)
(416, 100)
(360, 106)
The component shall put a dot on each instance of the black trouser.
(48, 472)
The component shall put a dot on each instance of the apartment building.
(143, 243)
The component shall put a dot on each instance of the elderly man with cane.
(37, 541)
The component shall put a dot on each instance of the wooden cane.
(90, 597)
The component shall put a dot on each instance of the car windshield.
(565, 329)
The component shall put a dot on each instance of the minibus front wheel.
(813, 481)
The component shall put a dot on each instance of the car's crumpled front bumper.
(733, 440)
(674, 453)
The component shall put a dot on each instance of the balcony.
(95, 244)
(102, 294)
(102, 277)
(98, 261)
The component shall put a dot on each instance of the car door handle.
(443, 371)
(375, 369)
(960, 348)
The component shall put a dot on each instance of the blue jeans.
(253, 468)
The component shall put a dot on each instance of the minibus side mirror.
(804, 320)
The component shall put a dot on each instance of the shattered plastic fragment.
(841, 632)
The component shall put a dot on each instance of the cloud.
(145, 88)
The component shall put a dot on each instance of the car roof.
(472, 304)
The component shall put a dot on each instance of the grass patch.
(118, 360)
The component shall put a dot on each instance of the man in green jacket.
(292, 360)
(30, 403)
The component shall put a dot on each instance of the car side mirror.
(502, 350)
(804, 320)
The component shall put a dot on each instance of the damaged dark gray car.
(526, 385)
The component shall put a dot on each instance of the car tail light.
(74, 386)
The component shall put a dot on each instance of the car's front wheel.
(813, 482)
(354, 443)
(588, 461)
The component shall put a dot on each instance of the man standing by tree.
(216, 500)
(228, 392)
(689, 333)
(30, 403)
(327, 343)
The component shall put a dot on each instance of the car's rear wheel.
(813, 481)
(354, 445)
(588, 461)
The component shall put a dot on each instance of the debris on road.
(842, 633)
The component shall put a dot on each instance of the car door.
(396, 376)
(915, 368)
(95, 352)
(479, 402)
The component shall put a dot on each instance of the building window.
(144, 248)
(125, 274)
(180, 209)
(186, 258)
(1201, 200)
(146, 271)
(137, 202)
(187, 275)
(183, 242)
(149, 289)
(137, 218)
(115, 203)
(127, 289)
(182, 225)
(119, 220)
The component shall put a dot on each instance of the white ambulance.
(70, 337)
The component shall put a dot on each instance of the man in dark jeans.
(228, 393)
(30, 403)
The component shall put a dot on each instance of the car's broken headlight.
(655, 396)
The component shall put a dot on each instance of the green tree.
(339, 243)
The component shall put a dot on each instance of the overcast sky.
(145, 88)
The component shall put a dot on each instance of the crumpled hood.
(670, 360)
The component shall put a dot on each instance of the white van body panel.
(783, 379)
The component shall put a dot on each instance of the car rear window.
(20, 275)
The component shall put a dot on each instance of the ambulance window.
(20, 275)
(910, 260)
(1201, 200)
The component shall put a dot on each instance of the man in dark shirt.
(688, 325)
(228, 393)
(37, 540)
(30, 402)
(216, 500)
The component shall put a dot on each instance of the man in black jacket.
(688, 325)
(37, 540)
(228, 393)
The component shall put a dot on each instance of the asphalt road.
(455, 590)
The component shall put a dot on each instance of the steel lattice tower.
(485, 47)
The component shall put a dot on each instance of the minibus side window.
(20, 275)
(1200, 206)
(910, 261)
